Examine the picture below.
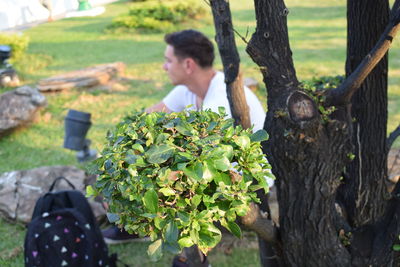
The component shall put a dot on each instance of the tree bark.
(306, 155)
(366, 191)
(309, 153)
(230, 58)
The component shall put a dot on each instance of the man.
(189, 58)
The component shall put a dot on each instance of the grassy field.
(318, 39)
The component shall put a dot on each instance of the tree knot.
(301, 107)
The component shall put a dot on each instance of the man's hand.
(158, 107)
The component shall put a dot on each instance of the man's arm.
(160, 106)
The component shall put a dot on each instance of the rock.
(9, 78)
(18, 107)
(84, 78)
(19, 190)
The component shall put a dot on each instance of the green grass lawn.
(318, 39)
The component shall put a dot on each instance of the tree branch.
(270, 50)
(342, 95)
(392, 137)
(230, 59)
(255, 221)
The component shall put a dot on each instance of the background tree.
(333, 211)
(363, 194)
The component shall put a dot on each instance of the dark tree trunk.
(230, 58)
(306, 154)
(365, 187)
(309, 153)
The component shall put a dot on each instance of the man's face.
(174, 66)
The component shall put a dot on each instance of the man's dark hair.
(193, 44)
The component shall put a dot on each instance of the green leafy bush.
(315, 88)
(18, 43)
(323, 82)
(156, 15)
(172, 176)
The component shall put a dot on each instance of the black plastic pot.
(77, 124)
(5, 53)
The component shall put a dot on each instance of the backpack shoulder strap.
(59, 178)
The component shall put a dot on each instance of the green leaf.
(209, 235)
(150, 201)
(183, 157)
(396, 247)
(92, 166)
(159, 222)
(212, 125)
(155, 250)
(234, 229)
(228, 151)
(194, 235)
(161, 138)
(242, 210)
(166, 191)
(230, 215)
(223, 177)
(108, 164)
(259, 136)
(196, 200)
(211, 228)
(159, 154)
(208, 239)
(138, 147)
(131, 158)
(229, 133)
(194, 171)
(227, 124)
(151, 119)
(242, 141)
(221, 111)
(184, 216)
(90, 191)
(222, 164)
(184, 128)
(171, 232)
(185, 242)
(112, 217)
(149, 215)
(172, 248)
(208, 172)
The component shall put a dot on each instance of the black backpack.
(64, 232)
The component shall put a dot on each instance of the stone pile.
(19, 190)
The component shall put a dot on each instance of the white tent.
(15, 13)
(18, 12)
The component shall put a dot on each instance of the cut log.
(84, 78)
